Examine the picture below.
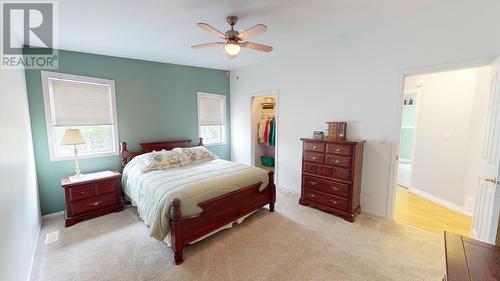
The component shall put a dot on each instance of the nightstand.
(92, 196)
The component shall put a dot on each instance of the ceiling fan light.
(232, 49)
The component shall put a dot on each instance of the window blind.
(211, 110)
(79, 103)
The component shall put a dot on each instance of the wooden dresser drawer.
(314, 146)
(330, 187)
(310, 168)
(106, 187)
(326, 199)
(94, 203)
(342, 149)
(81, 192)
(314, 157)
(338, 161)
(342, 173)
(325, 171)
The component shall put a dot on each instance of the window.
(83, 103)
(212, 118)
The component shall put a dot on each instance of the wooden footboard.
(217, 212)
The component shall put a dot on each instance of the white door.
(486, 211)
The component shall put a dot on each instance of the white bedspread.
(152, 192)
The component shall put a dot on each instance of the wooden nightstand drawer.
(81, 192)
(106, 187)
(94, 203)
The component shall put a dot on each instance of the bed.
(202, 198)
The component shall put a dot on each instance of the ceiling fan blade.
(258, 47)
(207, 45)
(252, 32)
(210, 29)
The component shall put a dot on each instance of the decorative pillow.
(194, 154)
(163, 160)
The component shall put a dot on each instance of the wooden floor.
(419, 212)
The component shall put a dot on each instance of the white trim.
(224, 98)
(253, 132)
(30, 272)
(393, 174)
(45, 75)
(60, 213)
(439, 201)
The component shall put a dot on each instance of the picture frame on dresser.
(331, 176)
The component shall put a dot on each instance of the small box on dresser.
(86, 199)
(331, 176)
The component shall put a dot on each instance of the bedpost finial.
(176, 209)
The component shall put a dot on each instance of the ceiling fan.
(235, 40)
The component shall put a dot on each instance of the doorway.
(443, 119)
(264, 130)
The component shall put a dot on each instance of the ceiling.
(164, 30)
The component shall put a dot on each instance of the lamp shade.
(72, 136)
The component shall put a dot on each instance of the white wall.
(358, 78)
(446, 126)
(20, 215)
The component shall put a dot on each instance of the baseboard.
(437, 200)
(34, 251)
(289, 191)
(52, 215)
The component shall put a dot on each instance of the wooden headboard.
(127, 155)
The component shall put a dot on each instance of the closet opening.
(264, 131)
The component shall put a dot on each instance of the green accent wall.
(155, 101)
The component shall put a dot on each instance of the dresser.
(331, 176)
(91, 198)
(470, 260)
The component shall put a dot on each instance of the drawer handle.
(314, 158)
(83, 192)
(338, 149)
(313, 183)
(337, 161)
(312, 195)
(315, 147)
(333, 202)
(97, 203)
(335, 188)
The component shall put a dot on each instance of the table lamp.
(73, 137)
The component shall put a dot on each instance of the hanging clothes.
(260, 130)
(272, 135)
(266, 132)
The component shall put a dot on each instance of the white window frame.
(46, 75)
(224, 111)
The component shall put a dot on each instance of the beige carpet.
(294, 243)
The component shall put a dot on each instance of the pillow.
(194, 154)
(162, 160)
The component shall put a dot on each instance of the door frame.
(450, 66)
(253, 130)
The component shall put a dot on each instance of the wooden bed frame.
(217, 212)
